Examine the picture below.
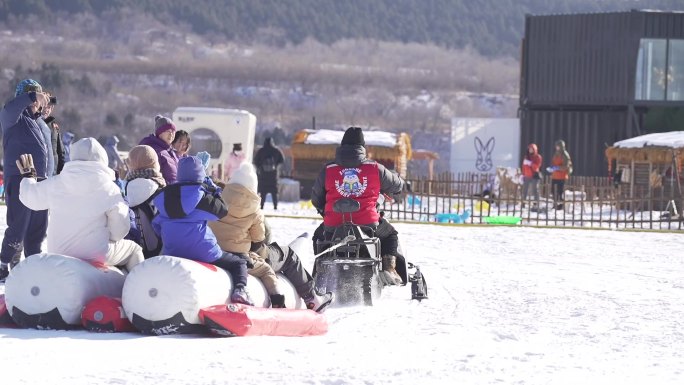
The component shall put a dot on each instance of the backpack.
(269, 164)
(147, 238)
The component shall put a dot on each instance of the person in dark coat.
(353, 175)
(185, 208)
(55, 137)
(267, 161)
(160, 141)
(21, 134)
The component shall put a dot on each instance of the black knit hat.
(353, 136)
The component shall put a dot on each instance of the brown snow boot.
(389, 273)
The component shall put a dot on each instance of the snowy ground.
(507, 306)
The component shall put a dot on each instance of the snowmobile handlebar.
(344, 241)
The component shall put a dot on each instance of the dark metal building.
(593, 79)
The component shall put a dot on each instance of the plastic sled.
(241, 320)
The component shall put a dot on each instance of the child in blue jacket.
(185, 207)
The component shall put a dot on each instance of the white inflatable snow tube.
(163, 295)
(48, 291)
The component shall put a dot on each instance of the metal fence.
(593, 202)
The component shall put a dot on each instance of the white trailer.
(215, 130)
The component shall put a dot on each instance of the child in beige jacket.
(244, 225)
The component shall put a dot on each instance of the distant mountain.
(493, 27)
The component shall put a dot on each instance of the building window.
(675, 76)
(650, 78)
(660, 70)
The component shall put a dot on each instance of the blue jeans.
(235, 265)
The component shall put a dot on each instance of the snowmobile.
(349, 262)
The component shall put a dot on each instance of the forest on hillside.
(492, 27)
(114, 72)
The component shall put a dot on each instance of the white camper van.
(215, 130)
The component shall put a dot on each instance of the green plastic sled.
(502, 220)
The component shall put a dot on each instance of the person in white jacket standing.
(88, 215)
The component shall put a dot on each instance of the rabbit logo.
(484, 154)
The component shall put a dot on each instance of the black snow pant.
(235, 265)
(268, 184)
(285, 261)
(26, 228)
(389, 242)
(274, 197)
(558, 187)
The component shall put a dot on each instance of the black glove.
(26, 167)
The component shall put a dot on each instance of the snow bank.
(372, 138)
(673, 139)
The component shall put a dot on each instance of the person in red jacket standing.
(561, 169)
(531, 174)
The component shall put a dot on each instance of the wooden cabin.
(426, 155)
(649, 167)
(311, 149)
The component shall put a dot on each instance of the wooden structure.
(648, 165)
(311, 149)
(429, 156)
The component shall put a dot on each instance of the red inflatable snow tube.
(5, 319)
(241, 320)
(105, 315)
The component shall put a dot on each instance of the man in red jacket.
(531, 174)
(353, 175)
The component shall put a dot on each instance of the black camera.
(53, 100)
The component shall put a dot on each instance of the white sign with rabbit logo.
(482, 145)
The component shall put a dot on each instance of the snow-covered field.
(507, 306)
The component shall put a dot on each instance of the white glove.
(527, 162)
(25, 166)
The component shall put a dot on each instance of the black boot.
(277, 301)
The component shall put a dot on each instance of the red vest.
(361, 183)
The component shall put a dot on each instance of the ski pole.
(343, 242)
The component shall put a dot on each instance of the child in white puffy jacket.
(88, 215)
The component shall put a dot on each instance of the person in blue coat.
(185, 207)
(67, 139)
(22, 134)
(111, 146)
